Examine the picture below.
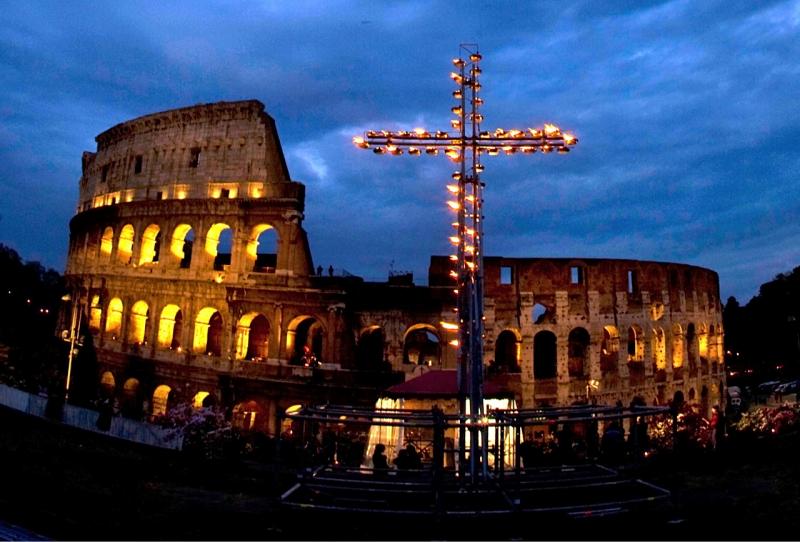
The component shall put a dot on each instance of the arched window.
(108, 383)
(114, 318)
(304, 338)
(421, 345)
(506, 352)
(262, 248)
(691, 346)
(248, 415)
(137, 323)
(182, 245)
(151, 245)
(578, 348)
(252, 337)
(107, 243)
(208, 332)
(609, 350)
(219, 244)
(677, 346)
(544, 355)
(161, 400)
(125, 244)
(635, 343)
(541, 314)
(203, 399)
(659, 346)
(170, 327)
(130, 403)
(95, 314)
(370, 348)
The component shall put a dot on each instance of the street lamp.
(74, 330)
(464, 147)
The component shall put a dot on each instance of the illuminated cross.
(466, 147)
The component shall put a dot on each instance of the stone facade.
(196, 280)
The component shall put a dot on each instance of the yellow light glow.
(569, 139)
(453, 155)
(449, 326)
(197, 401)
(148, 250)
(431, 150)
(454, 240)
(421, 132)
(212, 237)
(454, 342)
(452, 188)
(515, 133)
(414, 151)
(178, 240)
(114, 317)
(458, 62)
(252, 243)
(294, 409)
(167, 324)
(359, 142)
(453, 205)
(551, 130)
(453, 258)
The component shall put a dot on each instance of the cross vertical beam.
(465, 148)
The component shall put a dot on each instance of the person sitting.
(380, 465)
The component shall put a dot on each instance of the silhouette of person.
(379, 462)
(330, 270)
(319, 270)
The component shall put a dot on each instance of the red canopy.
(443, 383)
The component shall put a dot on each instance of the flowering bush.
(692, 431)
(205, 431)
(766, 420)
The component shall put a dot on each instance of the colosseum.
(196, 281)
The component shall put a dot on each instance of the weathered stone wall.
(195, 152)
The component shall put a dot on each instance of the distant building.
(198, 284)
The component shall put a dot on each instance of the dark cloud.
(686, 113)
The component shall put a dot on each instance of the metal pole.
(73, 333)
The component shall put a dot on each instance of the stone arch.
(107, 243)
(713, 344)
(114, 318)
(659, 347)
(170, 327)
(151, 245)
(203, 399)
(161, 397)
(635, 343)
(544, 355)
(691, 345)
(677, 346)
(422, 345)
(219, 245)
(609, 350)
(182, 244)
(262, 248)
(304, 331)
(131, 403)
(137, 323)
(95, 314)
(578, 348)
(208, 332)
(249, 415)
(541, 314)
(507, 351)
(370, 348)
(125, 244)
(108, 384)
(252, 336)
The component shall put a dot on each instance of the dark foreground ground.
(66, 484)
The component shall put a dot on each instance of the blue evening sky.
(688, 114)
